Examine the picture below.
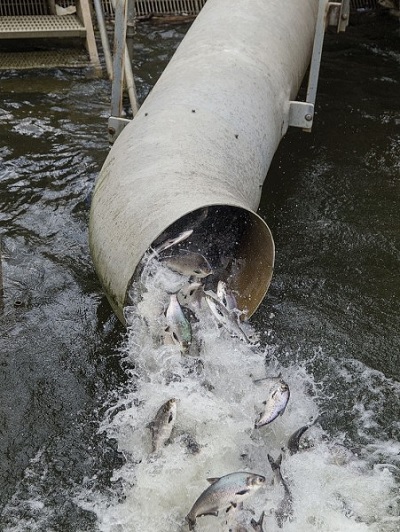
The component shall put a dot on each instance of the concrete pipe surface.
(198, 150)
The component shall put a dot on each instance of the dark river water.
(331, 316)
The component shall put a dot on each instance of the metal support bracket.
(115, 126)
(301, 114)
(338, 14)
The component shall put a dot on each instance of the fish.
(154, 252)
(293, 445)
(226, 296)
(172, 241)
(163, 423)
(188, 263)
(276, 403)
(225, 492)
(226, 318)
(285, 508)
(258, 525)
(177, 326)
(190, 295)
(294, 440)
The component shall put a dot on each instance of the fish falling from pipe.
(163, 423)
(178, 328)
(285, 508)
(171, 242)
(188, 263)
(276, 403)
(226, 296)
(224, 493)
(294, 440)
(224, 317)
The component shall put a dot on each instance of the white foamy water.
(334, 489)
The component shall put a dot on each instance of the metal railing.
(10, 8)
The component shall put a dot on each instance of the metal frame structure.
(38, 19)
(301, 114)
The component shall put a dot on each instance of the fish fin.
(214, 513)
(283, 410)
(241, 492)
(278, 461)
(213, 480)
(258, 525)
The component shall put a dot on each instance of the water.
(76, 391)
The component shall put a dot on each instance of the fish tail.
(191, 522)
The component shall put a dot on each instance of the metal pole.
(119, 57)
(130, 29)
(317, 52)
(104, 38)
(130, 83)
(123, 62)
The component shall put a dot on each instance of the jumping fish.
(188, 263)
(177, 326)
(227, 319)
(285, 509)
(173, 241)
(162, 425)
(166, 245)
(276, 403)
(226, 296)
(224, 493)
(293, 444)
(190, 295)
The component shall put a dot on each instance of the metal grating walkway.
(31, 27)
(64, 58)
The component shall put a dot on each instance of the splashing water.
(334, 487)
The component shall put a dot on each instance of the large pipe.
(205, 137)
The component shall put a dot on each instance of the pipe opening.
(237, 244)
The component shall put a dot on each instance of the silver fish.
(227, 319)
(226, 296)
(148, 258)
(224, 493)
(190, 295)
(162, 425)
(188, 263)
(172, 241)
(177, 326)
(294, 440)
(276, 403)
(285, 509)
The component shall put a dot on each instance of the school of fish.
(227, 493)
